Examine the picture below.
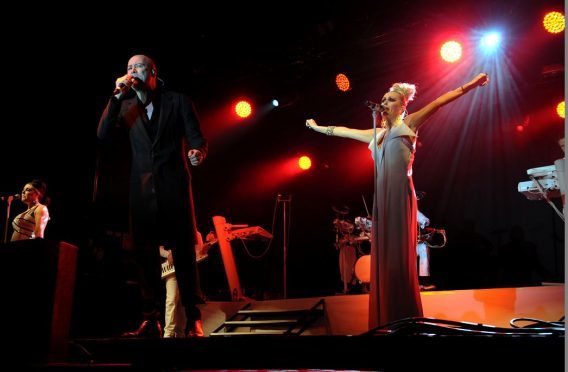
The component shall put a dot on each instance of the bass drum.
(363, 268)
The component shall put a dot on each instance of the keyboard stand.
(545, 196)
(225, 234)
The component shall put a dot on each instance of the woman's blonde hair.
(407, 91)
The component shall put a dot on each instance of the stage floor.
(338, 339)
(347, 314)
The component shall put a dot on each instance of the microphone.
(119, 88)
(374, 106)
(10, 197)
(126, 84)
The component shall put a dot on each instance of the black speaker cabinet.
(37, 279)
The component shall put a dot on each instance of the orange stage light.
(342, 82)
(305, 163)
(243, 109)
(554, 22)
(560, 110)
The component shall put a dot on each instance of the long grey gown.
(394, 291)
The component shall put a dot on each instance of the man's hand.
(195, 157)
(122, 85)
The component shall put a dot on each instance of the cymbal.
(341, 210)
(361, 238)
(343, 224)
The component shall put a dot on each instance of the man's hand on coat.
(195, 157)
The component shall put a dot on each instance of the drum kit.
(353, 242)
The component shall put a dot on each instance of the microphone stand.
(286, 201)
(374, 219)
(9, 200)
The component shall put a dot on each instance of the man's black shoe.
(148, 329)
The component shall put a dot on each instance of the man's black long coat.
(161, 202)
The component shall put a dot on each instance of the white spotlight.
(490, 41)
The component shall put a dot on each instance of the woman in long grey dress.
(394, 292)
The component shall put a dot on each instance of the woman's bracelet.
(329, 130)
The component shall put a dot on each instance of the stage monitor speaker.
(37, 279)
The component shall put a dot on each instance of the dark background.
(59, 71)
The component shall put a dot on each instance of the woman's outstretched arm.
(365, 135)
(416, 119)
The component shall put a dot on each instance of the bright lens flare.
(554, 22)
(305, 163)
(491, 40)
(451, 51)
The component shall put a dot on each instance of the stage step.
(295, 312)
(249, 323)
(252, 333)
(284, 322)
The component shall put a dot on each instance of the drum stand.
(343, 253)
